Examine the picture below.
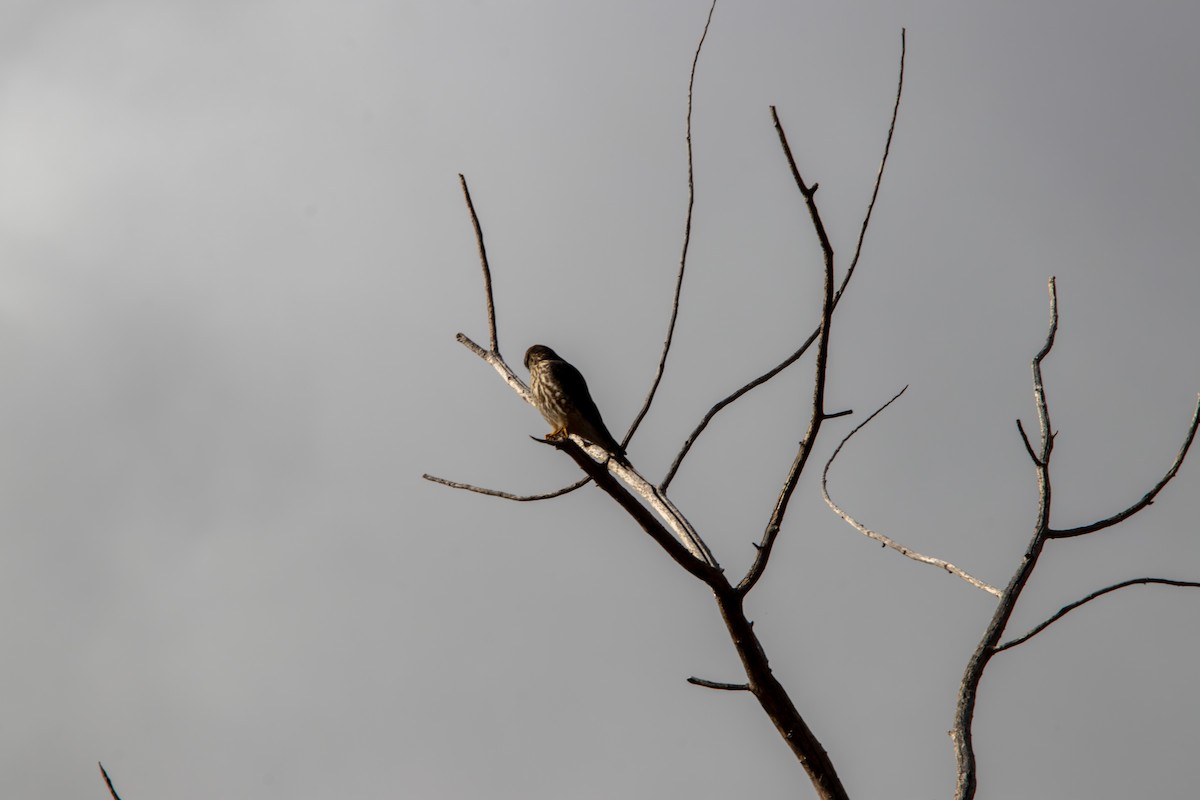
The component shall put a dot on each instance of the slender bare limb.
(763, 552)
(968, 690)
(1062, 612)
(687, 239)
(881, 538)
(520, 498)
(712, 412)
(887, 147)
(1028, 446)
(107, 780)
(1148, 498)
(483, 261)
(726, 687)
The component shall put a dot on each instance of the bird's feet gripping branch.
(561, 395)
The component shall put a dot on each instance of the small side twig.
(725, 687)
(1148, 498)
(520, 498)
(1062, 612)
(1028, 446)
(881, 538)
(483, 261)
(687, 238)
(107, 780)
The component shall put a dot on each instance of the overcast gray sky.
(233, 258)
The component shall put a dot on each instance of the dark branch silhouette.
(725, 687)
(687, 239)
(108, 781)
(1148, 498)
(1062, 612)
(762, 553)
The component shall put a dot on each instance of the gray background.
(233, 258)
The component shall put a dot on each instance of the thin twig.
(1028, 446)
(520, 498)
(1039, 386)
(1148, 498)
(483, 261)
(881, 538)
(887, 147)
(712, 412)
(687, 238)
(1062, 612)
(725, 687)
(107, 780)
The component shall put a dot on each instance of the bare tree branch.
(881, 538)
(968, 690)
(107, 780)
(887, 147)
(1028, 446)
(520, 498)
(687, 238)
(483, 261)
(726, 687)
(763, 552)
(1148, 498)
(1062, 612)
(712, 412)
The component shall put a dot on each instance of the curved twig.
(1062, 612)
(1148, 498)
(483, 261)
(879, 537)
(887, 148)
(687, 238)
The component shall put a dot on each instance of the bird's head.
(539, 352)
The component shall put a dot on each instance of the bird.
(561, 394)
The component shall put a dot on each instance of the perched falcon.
(561, 394)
